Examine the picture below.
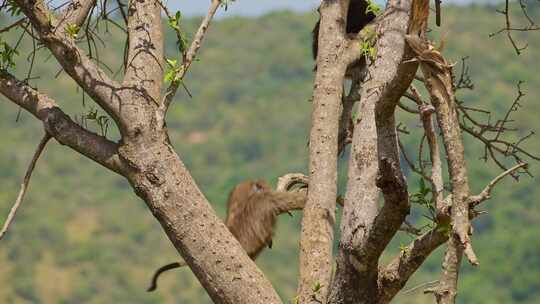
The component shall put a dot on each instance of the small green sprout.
(173, 71)
(72, 30)
(373, 7)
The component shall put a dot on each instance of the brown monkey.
(357, 19)
(252, 209)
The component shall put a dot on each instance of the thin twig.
(485, 194)
(436, 180)
(508, 28)
(25, 183)
(413, 289)
(15, 24)
(191, 52)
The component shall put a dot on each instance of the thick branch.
(204, 242)
(319, 213)
(365, 230)
(144, 70)
(394, 276)
(392, 76)
(60, 126)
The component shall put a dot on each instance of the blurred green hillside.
(82, 236)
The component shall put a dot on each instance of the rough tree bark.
(319, 213)
(144, 155)
(366, 230)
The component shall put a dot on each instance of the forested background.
(82, 236)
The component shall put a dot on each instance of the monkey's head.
(244, 190)
(241, 195)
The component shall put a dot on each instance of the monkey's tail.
(162, 269)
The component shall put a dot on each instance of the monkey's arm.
(285, 202)
(292, 200)
(162, 269)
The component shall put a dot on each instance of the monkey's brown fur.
(252, 209)
(253, 201)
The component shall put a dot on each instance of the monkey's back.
(251, 216)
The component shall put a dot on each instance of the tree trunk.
(213, 254)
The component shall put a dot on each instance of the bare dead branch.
(191, 53)
(438, 81)
(508, 28)
(420, 286)
(475, 200)
(491, 134)
(24, 184)
(464, 81)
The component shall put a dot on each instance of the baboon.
(252, 209)
(357, 19)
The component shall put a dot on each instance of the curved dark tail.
(162, 269)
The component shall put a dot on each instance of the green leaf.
(169, 75)
(403, 248)
(317, 287)
(372, 7)
(7, 54)
(172, 62)
(72, 30)
(12, 8)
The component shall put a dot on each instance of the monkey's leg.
(162, 269)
